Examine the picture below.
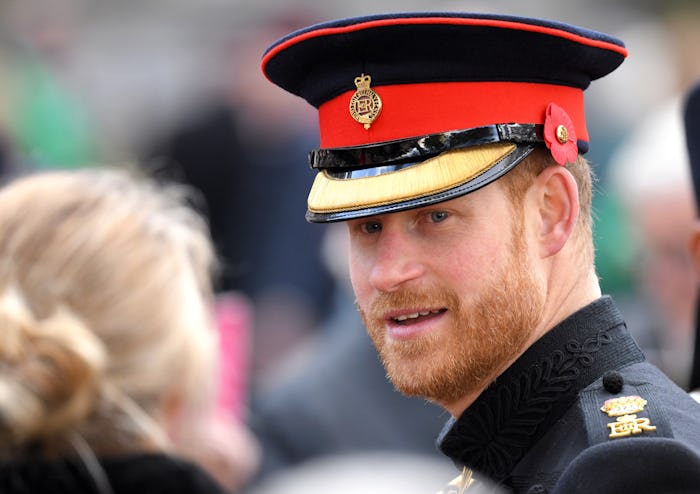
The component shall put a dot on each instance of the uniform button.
(612, 382)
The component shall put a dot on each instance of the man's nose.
(397, 262)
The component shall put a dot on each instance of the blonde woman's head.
(104, 311)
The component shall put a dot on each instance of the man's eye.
(438, 216)
(371, 227)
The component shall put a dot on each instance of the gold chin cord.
(460, 483)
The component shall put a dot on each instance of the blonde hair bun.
(49, 374)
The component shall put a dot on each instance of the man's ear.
(694, 247)
(556, 198)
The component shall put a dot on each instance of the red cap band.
(412, 110)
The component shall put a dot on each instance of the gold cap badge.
(365, 104)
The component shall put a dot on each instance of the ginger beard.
(483, 338)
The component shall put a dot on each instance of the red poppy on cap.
(560, 135)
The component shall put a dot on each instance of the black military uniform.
(583, 395)
(580, 410)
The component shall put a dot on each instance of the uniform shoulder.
(635, 402)
(646, 465)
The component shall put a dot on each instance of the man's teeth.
(415, 315)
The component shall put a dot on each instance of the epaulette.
(617, 407)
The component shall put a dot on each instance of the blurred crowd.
(175, 88)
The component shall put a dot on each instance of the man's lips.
(405, 318)
(412, 323)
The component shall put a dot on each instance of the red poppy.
(560, 135)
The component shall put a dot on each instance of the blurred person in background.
(108, 346)
(659, 213)
(46, 117)
(234, 147)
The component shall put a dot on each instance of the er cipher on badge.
(625, 409)
(365, 104)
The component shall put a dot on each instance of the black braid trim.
(518, 408)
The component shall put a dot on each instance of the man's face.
(445, 292)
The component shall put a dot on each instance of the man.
(450, 143)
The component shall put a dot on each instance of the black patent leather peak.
(416, 149)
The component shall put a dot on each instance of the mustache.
(391, 301)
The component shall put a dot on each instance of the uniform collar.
(513, 413)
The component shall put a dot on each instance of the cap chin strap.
(385, 157)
